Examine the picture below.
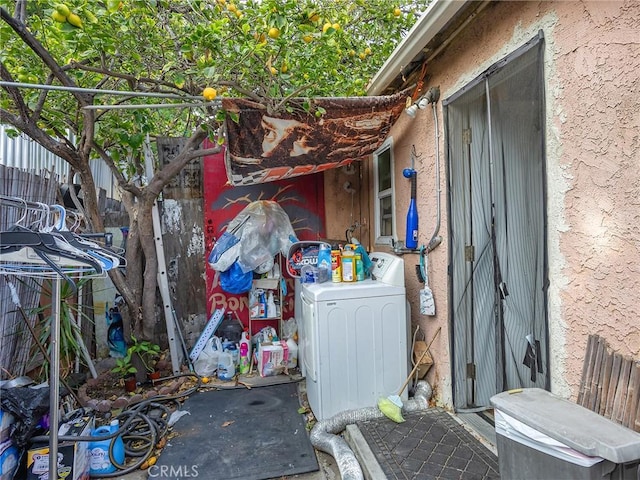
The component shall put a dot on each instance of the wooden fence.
(610, 384)
(15, 339)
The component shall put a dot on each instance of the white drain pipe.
(324, 435)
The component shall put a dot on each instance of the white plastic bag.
(207, 362)
(289, 328)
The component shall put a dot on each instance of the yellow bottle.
(348, 265)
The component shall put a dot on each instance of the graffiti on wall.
(301, 198)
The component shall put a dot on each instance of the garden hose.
(137, 427)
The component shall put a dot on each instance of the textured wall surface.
(592, 88)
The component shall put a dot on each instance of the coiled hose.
(139, 429)
(324, 434)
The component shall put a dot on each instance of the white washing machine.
(354, 339)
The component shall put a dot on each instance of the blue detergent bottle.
(99, 461)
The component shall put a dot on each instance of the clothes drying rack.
(23, 256)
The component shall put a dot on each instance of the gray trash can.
(542, 436)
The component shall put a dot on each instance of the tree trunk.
(145, 226)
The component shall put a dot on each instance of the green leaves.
(183, 47)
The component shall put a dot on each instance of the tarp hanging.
(264, 147)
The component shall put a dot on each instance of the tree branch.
(22, 31)
(187, 154)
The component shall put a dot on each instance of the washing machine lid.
(328, 291)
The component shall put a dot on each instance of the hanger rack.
(40, 244)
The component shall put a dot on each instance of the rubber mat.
(239, 434)
(428, 445)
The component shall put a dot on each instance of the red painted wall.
(302, 198)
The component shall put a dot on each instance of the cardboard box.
(73, 457)
(427, 361)
(272, 358)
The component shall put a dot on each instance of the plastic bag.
(27, 405)
(207, 362)
(289, 328)
(266, 232)
(226, 259)
(235, 280)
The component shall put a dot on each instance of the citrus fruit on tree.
(74, 20)
(63, 10)
(209, 93)
(274, 32)
(58, 17)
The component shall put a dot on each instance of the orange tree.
(190, 52)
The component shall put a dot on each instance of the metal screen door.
(497, 230)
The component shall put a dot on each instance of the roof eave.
(432, 22)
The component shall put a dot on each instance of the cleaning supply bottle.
(271, 305)
(348, 265)
(324, 259)
(336, 267)
(245, 353)
(226, 367)
(99, 461)
(359, 267)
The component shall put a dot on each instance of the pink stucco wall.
(592, 60)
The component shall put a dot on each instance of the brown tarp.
(263, 147)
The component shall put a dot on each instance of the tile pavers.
(428, 445)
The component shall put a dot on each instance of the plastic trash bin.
(542, 436)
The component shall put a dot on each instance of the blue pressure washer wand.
(411, 240)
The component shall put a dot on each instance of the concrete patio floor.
(433, 444)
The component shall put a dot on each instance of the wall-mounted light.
(432, 96)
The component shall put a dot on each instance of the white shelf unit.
(268, 284)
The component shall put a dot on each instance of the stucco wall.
(592, 60)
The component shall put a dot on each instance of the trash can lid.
(577, 426)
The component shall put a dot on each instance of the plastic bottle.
(348, 265)
(359, 267)
(336, 266)
(245, 353)
(292, 359)
(99, 461)
(271, 305)
(232, 348)
(226, 367)
(263, 304)
(324, 257)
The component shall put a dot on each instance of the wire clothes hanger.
(46, 249)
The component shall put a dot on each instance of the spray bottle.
(245, 353)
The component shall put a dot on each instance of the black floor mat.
(239, 434)
(429, 445)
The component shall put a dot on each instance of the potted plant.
(126, 370)
(147, 352)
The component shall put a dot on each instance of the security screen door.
(497, 230)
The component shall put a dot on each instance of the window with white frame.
(384, 193)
